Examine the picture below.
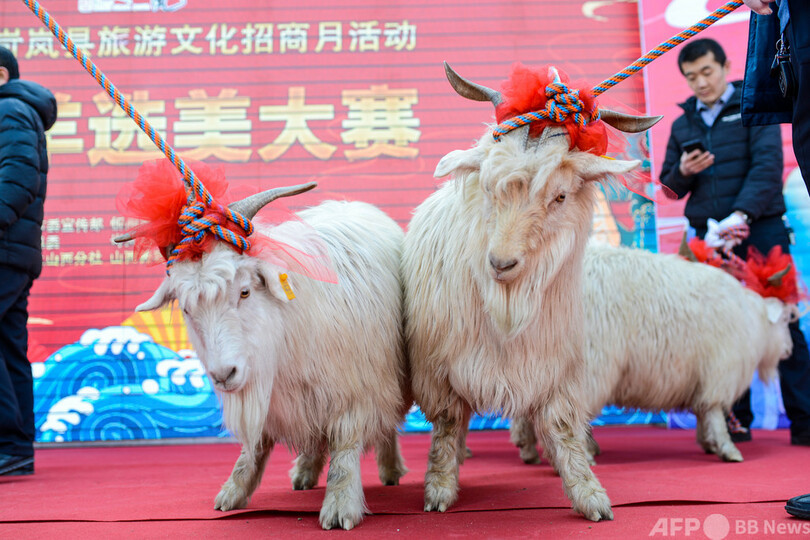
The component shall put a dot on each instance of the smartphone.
(694, 144)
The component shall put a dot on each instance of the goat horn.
(775, 280)
(685, 251)
(126, 237)
(249, 206)
(627, 122)
(471, 90)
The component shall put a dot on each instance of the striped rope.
(523, 119)
(672, 42)
(197, 218)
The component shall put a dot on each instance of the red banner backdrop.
(353, 96)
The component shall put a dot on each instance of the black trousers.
(794, 372)
(16, 382)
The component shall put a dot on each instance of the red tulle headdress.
(772, 276)
(529, 90)
(158, 198)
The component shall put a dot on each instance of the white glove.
(727, 233)
(712, 237)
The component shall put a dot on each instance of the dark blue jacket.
(27, 110)
(762, 101)
(747, 170)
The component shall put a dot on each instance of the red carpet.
(650, 474)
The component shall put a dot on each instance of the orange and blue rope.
(526, 118)
(672, 42)
(195, 221)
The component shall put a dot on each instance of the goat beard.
(511, 306)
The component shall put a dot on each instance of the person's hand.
(695, 161)
(727, 233)
(761, 7)
(712, 237)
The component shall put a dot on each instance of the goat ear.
(161, 297)
(592, 167)
(270, 276)
(775, 308)
(459, 160)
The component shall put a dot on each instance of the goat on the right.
(662, 332)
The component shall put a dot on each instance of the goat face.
(780, 315)
(532, 200)
(224, 296)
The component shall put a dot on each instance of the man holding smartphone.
(733, 177)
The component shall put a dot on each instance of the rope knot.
(198, 219)
(562, 103)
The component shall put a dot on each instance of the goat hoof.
(229, 498)
(595, 507)
(332, 517)
(732, 456)
(438, 498)
(530, 456)
(390, 477)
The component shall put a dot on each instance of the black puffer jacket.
(747, 170)
(27, 110)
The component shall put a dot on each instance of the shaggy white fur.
(665, 333)
(493, 316)
(323, 372)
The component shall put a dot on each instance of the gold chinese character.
(80, 35)
(330, 32)
(258, 38)
(117, 151)
(58, 138)
(11, 39)
(113, 41)
(185, 37)
(365, 36)
(41, 43)
(221, 42)
(292, 37)
(213, 125)
(149, 40)
(378, 117)
(295, 115)
(400, 36)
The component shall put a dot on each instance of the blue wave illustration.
(117, 384)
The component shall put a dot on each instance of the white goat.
(323, 372)
(665, 333)
(493, 315)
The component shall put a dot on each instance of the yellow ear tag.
(608, 157)
(286, 286)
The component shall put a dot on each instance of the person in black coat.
(27, 110)
(765, 101)
(734, 180)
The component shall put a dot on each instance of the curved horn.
(126, 237)
(775, 280)
(627, 122)
(471, 90)
(249, 206)
(685, 251)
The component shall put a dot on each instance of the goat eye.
(560, 198)
(245, 293)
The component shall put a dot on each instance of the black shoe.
(799, 506)
(16, 465)
(801, 439)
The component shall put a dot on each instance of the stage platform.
(660, 482)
